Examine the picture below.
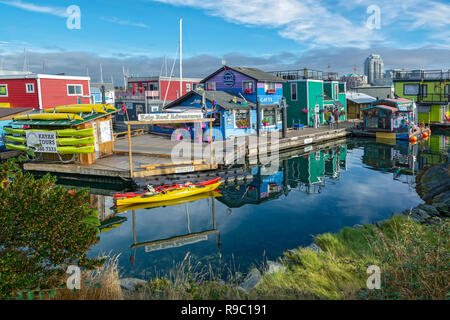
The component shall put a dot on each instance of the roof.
(399, 100)
(30, 75)
(64, 123)
(157, 78)
(360, 97)
(8, 112)
(222, 98)
(253, 73)
(392, 109)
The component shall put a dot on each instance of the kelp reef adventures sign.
(170, 117)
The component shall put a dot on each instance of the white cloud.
(55, 11)
(124, 22)
(305, 20)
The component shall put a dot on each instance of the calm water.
(339, 184)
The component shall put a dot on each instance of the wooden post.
(211, 146)
(130, 154)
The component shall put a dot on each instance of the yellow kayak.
(77, 109)
(61, 141)
(49, 116)
(168, 195)
(175, 202)
(60, 133)
(96, 107)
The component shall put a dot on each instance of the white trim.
(51, 76)
(74, 94)
(26, 88)
(6, 85)
(38, 81)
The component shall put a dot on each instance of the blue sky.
(278, 34)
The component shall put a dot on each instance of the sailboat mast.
(181, 57)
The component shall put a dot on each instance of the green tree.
(43, 229)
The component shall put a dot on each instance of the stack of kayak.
(166, 193)
(70, 141)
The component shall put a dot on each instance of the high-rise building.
(374, 68)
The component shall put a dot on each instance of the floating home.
(356, 102)
(395, 117)
(310, 95)
(242, 100)
(429, 89)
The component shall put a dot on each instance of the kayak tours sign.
(42, 141)
(171, 116)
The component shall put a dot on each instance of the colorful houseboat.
(242, 100)
(392, 119)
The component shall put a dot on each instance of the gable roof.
(253, 73)
(222, 98)
(381, 106)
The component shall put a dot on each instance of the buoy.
(424, 135)
(413, 139)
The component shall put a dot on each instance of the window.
(247, 86)
(411, 89)
(446, 90)
(210, 86)
(242, 119)
(155, 109)
(74, 89)
(293, 91)
(3, 90)
(270, 87)
(424, 90)
(188, 87)
(269, 117)
(29, 87)
(372, 122)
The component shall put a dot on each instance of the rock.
(251, 280)
(356, 226)
(132, 284)
(314, 247)
(273, 267)
(431, 210)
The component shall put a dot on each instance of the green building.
(309, 96)
(429, 89)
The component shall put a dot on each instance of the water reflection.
(331, 186)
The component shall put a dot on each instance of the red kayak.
(167, 187)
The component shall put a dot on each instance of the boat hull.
(169, 195)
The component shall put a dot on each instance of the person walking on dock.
(330, 120)
(336, 118)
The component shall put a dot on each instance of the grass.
(414, 262)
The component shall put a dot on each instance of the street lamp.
(316, 111)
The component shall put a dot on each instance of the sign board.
(96, 147)
(42, 141)
(308, 148)
(228, 78)
(105, 131)
(184, 169)
(170, 116)
(309, 140)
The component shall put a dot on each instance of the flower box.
(271, 91)
(304, 111)
(248, 91)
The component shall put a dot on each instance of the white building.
(374, 68)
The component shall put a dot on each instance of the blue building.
(242, 100)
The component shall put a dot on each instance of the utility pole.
(25, 64)
(101, 73)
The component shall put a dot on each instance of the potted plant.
(242, 123)
(271, 91)
(304, 111)
(265, 122)
(248, 91)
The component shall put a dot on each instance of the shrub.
(43, 229)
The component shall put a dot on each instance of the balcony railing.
(331, 76)
(422, 75)
(433, 98)
(127, 94)
(298, 74)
